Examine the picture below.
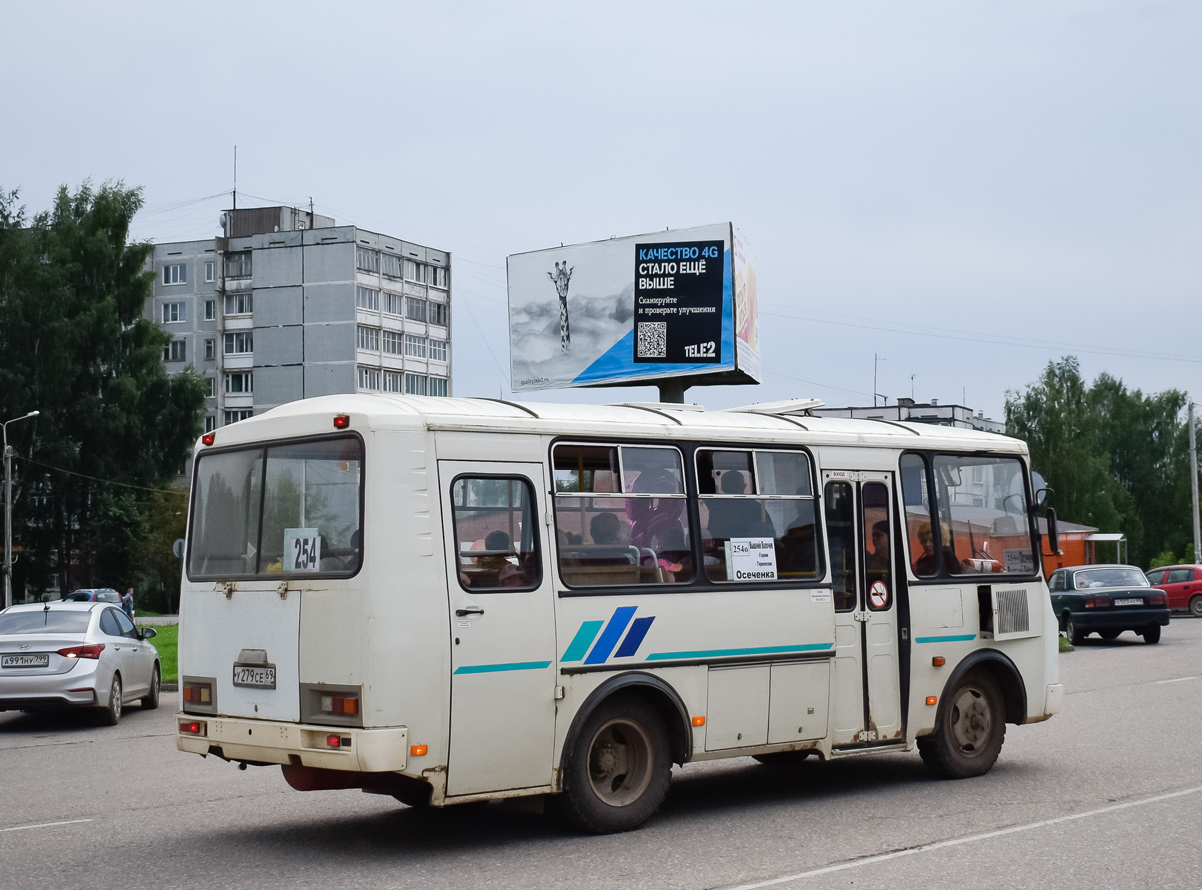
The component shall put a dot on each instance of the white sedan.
(72, 654)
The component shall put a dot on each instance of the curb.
(169, 687)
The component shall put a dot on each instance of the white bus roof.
(386, 411)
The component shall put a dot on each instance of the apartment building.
(286, 305)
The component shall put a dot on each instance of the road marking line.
(939, 845)
(45, 825)
(1177, 680)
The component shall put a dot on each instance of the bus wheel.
(783, 758)
(619, 771)
(969, 730)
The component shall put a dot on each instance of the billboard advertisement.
(677, 303)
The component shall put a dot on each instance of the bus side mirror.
(1053, 532)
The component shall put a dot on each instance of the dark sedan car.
(1108, 599)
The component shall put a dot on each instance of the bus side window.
(841, 534)
(495, 534)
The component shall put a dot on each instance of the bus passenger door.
(866, 687)
(502, 626)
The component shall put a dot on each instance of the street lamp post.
(8, 511)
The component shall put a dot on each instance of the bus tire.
(618, 773)
(969, 730)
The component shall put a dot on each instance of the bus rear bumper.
(263, 741)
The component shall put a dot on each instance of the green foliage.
(1065, 646)
(74, 346)
(166, 641)
(1117, 459)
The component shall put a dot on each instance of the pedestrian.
(127, 603)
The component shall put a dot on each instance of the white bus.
(451, 600)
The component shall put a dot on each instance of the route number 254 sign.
(302, 550)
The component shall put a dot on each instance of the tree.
(74, 346)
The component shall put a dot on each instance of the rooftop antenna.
(876, 359)
(235, 177)
(912, 376)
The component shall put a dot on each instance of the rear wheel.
(1151, 633)
(1075, 634)
(112, 714)
(969, 730)
(1195, 607)
(151, 700)
(1109, 634)
(620, 767)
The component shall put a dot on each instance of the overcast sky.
(965, 189)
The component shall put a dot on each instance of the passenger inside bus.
(876, 564)
(730, 518)
(928, 562)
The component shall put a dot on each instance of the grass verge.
(166, 640)
(1065, 645)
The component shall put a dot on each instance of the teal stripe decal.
(582, 640)
(720, 653)
(958, 638)
(496, 668)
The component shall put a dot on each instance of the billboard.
(677, 303)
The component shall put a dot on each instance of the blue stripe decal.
(957, 638)
(611, 634)
(497, 668)
(634, 639)
(582, 640)
(759, 650)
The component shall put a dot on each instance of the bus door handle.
(470, 610)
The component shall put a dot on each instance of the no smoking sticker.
(879, 594)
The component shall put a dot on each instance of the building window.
(369, 338)
(392, 345)
(415, 346)
(212, 387)
(367, 260)
(210, 310)
(369, 378)
(174, 351)
(173, 312)
(239, 343)
(210, 423)
(235, 416)
(394, 303)
(237, 265)
(390, 265)
(415, 384)
(242, 381)
(210, 350)
(367, 298)
(415, 271)
(438, 276)
(438, 313)
(239, 304)
(393, 381)
(438, 350)
(438, 386)
(210, 270)
(415, 309)
(176, 273)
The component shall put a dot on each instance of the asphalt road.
(1108, 794)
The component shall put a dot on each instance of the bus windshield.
(290, 508)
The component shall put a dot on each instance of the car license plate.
(1131, 601)
(255, 676)
(25, 661)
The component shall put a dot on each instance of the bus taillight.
(343, 705)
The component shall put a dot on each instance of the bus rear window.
(290, 509)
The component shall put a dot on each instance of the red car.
(1182, 584)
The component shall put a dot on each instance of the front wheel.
(1075, 635)
(969, 730)
(112, 714)
(1152, 633)
(620, 768)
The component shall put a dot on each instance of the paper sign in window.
(302, 549)
(751, 559)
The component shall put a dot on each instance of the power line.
(30, 460)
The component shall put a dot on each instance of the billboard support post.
(671, 392)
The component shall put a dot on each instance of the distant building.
(916, 412)
(288, 305)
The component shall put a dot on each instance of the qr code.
(653, 339)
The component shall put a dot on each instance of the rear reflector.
(938, 661)
(931, 699)
(699, 721)
(333, 741)
(343, 705)
(92, 651)
(192, 727)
